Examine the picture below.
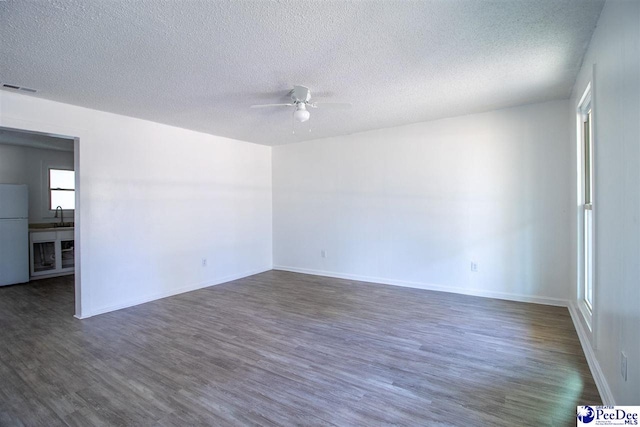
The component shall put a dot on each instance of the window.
(586, 203)
(588, 207)
(62, 185)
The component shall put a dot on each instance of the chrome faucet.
(61, 215)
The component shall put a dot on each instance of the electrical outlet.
(323, 253)
(623, 365)
(204, 262)
(474, 266)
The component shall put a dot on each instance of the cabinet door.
(44, 257)
(67, 254)
(14, 252)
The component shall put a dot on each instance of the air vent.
(14, 87)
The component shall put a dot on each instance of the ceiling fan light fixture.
(301, 114)
(300, 100)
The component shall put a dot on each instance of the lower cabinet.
(51, 253)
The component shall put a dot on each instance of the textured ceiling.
(201, 64)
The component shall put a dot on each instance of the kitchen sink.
(63, 225)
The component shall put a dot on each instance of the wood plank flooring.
(281, 348)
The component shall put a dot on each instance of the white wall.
(27, 165)
(154, 200)
(414, 205)
(13, 164)
(615, 51)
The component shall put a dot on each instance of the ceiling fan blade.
(343, 105)
(271, 105)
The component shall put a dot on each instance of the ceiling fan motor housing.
(300, 94)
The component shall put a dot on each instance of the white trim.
(77, 226)
(592, 361)
(587, 316)
(585, 99)
(172, 292)
(587, 102)
(429, 286)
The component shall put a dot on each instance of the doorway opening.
(46, 167)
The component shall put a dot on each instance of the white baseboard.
(169, 293)
(592, 361)
(431, 287)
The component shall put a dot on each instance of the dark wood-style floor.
(282, 348)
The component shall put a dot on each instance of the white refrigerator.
(14, 234)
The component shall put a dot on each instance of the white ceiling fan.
(301, 100)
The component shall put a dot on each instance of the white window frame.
(586, 307)
(49, 204)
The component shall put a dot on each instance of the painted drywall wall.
(154, 200)
(13, 164)
(27, 165)
(415, 205)
(614, 55)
